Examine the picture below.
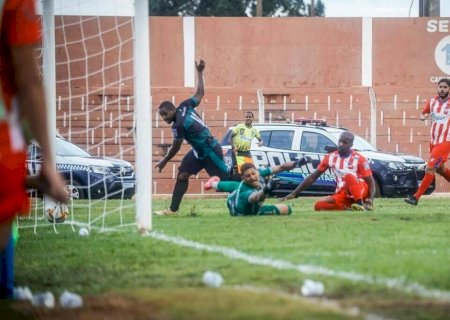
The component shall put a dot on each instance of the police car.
(395, 175)
(87, 176)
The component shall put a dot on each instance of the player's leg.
(7, 270)
(214, 164)
(353, 187)
(355, 191)
(274, 209)
(190, 165)
(334, 202)
(438, 157)
(5, 233)
(225, 186)
(442, 170)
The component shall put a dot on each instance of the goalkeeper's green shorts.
(265, 210)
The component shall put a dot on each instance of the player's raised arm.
(200, 66)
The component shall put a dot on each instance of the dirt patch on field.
(111, 307)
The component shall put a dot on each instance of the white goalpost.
(95, 62)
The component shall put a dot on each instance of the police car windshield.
(67, 149)
(359, 143)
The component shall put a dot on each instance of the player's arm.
(291, 165)
(257, 196)
(425, 112)
(371, 183)
(174, 148)
(304, 185)
(31, 101)
(200, 66)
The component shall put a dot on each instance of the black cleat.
(412, 200)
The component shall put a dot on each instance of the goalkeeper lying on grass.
(246, 197)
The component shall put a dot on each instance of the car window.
(67, 149)
(279, 139)
(265, 136)
(358, 144)
(315, 142)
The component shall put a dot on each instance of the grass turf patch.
(410, 245)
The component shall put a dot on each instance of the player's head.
(250, 175)
(249, 118)
(167, 111)
(443, 88)
(345, 143)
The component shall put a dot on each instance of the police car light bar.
(313, 122)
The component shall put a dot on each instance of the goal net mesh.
(95, 121)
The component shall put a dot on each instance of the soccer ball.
(55, 212)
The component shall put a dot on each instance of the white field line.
(392, 283)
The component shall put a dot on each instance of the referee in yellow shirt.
(241, 140)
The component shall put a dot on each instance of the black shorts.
(213, 164)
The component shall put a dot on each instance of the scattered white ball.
(70, 300)
(83, 232)
(212, 279)
(312, 288)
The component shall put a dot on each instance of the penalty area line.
(391, 283)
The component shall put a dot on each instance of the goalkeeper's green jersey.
(238, 201)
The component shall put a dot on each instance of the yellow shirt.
(243, 136)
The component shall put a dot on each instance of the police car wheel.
(75, 190)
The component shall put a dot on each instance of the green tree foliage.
(220, 8)
(233, 8)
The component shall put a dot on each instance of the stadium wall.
(305, 67)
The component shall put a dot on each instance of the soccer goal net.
(95, 62)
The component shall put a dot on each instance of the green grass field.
(391, 263)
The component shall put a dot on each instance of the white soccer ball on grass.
(55, 212)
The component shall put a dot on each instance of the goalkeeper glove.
(302, 161)
(268, 187)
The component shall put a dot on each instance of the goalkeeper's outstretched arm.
(291, 165)
(304, 185)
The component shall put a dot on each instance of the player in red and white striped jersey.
(439, 109)
(355, 185)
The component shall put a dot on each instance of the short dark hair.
(166, 105)
(247, 166)
(249, 112)
(348, 134)
(447, 81)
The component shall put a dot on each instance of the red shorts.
(344, 200)
(439, 154)
(13, 197)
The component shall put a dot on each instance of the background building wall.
(305, 67)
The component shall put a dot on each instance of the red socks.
(427, 180)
